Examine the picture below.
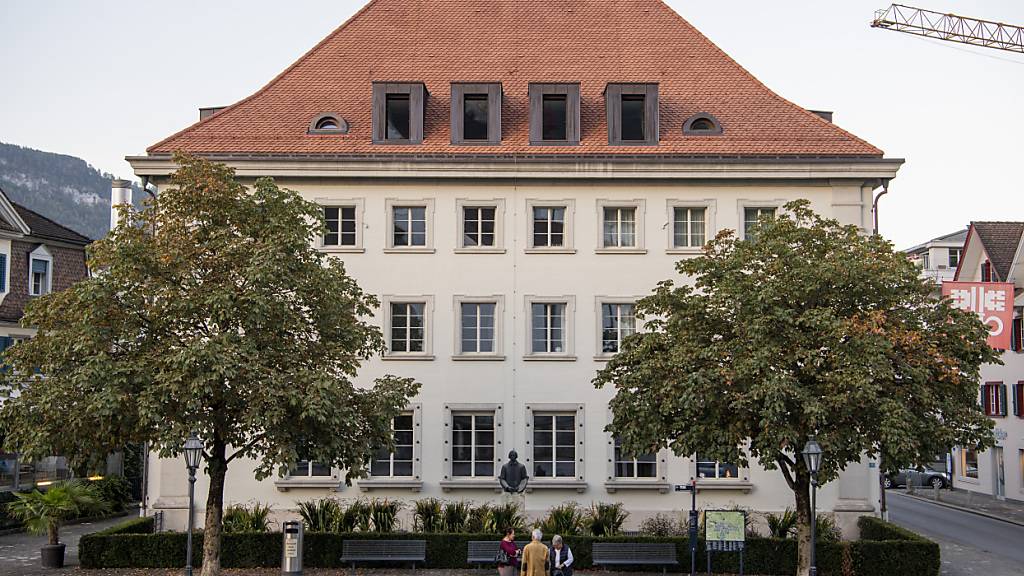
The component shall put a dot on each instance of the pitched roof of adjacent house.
(958, 237)
(16, 218)
(1000, 240)
(516, 42)
(46, 229)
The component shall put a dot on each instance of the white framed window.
(473, 444)
(407, 325)
(554, 445)
(478, 327)
(310, 469)
(343, 225)
(399, 462)
(751, 214)
(617, 321)
(622, 226)
(410, 225)
(954, 257)
(707, 469)
(628, 466)
(550, 226)
(481, 226)
(691, 224)
(550, 328)
(40, 272)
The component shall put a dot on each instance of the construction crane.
(950, 27)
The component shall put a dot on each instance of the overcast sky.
(106, 78)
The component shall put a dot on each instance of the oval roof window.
(702, 124)
(328, 124)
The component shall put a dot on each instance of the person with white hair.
(560, 557)
(535, 556)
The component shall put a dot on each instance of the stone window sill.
(548, 358)
(612, 486)
(471, 484)
(412, 484)
(342, 249)
(478, 357)
(744, 486)
(550, 251)
(409, 250)
(487, 250)
(685, 251)
(422, 357)
(578, 485)
(620, 251)
(286, 484)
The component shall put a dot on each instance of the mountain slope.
(63, 188)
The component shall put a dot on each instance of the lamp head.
(193, 451)
(812, 456)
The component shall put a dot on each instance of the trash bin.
(291, 548)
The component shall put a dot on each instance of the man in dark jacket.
(560, 558)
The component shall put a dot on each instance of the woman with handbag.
(508, 554)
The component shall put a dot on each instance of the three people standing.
(536, 558)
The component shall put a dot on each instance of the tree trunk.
(52, 533)
(801, 490)
(217, 468)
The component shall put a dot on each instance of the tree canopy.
(807, 328)
(209, 311)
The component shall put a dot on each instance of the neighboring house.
(939, 257)
(37, 256)
(994, 252)
(509, 178)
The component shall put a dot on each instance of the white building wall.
(583, 276)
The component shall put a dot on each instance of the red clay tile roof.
(516, 42)
(1000, 240)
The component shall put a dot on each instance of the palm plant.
(564, 519)
(384, 513)
(427, 515)
(321, 515)
(456, 516)
(503, 516)
(782, 525)
(604, 519)
(241, 518)
(46, 512)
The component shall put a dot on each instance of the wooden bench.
(414, 551)
(481, 552)
(634, 554)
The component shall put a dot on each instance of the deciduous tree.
(209, 311)
(808, 328)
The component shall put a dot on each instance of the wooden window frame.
(418, 96)
(572, 112)
(494, 96)
(499, 311)
(613, 110)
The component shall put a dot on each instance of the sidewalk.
(982, 504)
(19, 552)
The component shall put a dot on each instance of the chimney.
(120, 193)
(823, 114)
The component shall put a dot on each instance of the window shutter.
(985, 403)
(3, 272)
(1017, 335)
(613, 112)
(1002, 400)
(1018, 399)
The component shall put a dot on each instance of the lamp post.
(193, 451)
(812, 459)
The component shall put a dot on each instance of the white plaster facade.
(938, 258)
(511, 382)
(999, 471)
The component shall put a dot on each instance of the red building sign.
(991, 301)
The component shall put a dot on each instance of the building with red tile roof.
(510, 177)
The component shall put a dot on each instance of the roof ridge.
(757, 81)
(273, 81)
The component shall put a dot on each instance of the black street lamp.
(812, 459)
(193, 451)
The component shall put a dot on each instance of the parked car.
(920, 479)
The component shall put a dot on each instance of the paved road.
(19, 553)
(971, 545)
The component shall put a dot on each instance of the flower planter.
(53, 555)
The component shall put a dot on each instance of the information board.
(725, 530)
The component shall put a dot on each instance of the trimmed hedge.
(767, 556)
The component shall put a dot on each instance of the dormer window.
(702, 124)
(328, 124)
(555, 114)
(40, 271)
(632, 111)
(398, 110)
(476, 113)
